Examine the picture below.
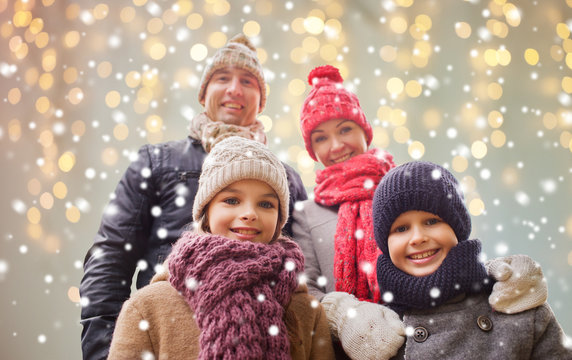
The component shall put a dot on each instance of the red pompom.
(326, 71)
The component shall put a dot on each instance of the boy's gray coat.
(452, 332)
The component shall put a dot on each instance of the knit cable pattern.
(238, 291)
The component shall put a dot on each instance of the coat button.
(420, 334)
(484, 323)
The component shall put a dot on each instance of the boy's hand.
(366, 330)
(520, 284)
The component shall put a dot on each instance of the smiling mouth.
(245, 231)
(341, 159)
(232, 106)
(423, 255)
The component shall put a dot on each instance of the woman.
(335, 229)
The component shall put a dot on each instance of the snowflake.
(156, 211)
(273, 330)
(146, 172)
(501, 249)
(299, 206)
(162, 233)
(289, 265)
(436, 174)
(19, 206)
(147, 355)
(409, 331)
(180, 201)
(90, 173)
(351, 313)
(143, 325)
(451, 133)
(366, 267)
(111, 210)
(142, 265)
(159, 268)
(549, 186)
(522, 198)
(3, 267)
(485, 174)
(567, 341)
(191, 283)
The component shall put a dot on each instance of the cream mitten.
(520, 284)
(366, 330)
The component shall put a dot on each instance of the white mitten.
(366, 330)
(520, 284)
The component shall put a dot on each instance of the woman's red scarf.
(351, 185)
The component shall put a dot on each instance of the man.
(154, 199)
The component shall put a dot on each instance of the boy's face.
(246, 210)
(419, 241)
(232, 96)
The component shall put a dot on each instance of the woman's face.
(246, 210)
(337, 140)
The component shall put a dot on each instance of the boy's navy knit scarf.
(461, 272)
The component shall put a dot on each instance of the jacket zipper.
(185, 175)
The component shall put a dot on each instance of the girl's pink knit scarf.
(238, 291)
(351, 185)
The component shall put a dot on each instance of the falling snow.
(290, 265)
(273, 330)
(143, 325)
(435, 293)
(192, 284)
(387, 297)
(493, 111)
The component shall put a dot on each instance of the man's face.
(232, 96)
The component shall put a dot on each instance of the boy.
(433, 279)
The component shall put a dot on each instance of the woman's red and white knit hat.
(329, 100)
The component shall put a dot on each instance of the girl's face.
(419, 241)
(337, 140)
(246, 210)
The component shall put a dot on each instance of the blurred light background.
(481, 86)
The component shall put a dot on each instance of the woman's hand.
(520, 284)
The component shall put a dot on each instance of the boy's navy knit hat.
(419, 185)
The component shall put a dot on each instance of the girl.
(335, 230)
(231, 290)
(437, 282)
